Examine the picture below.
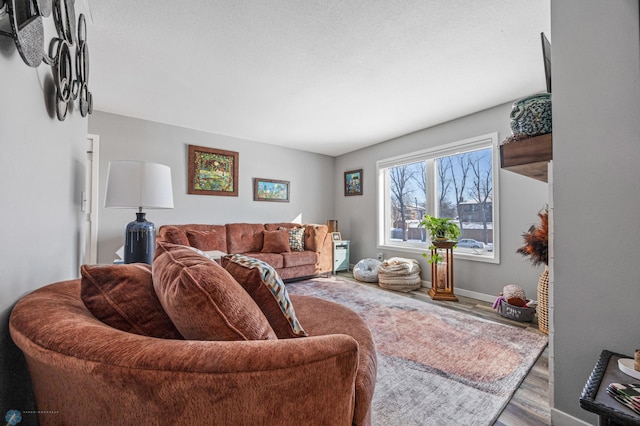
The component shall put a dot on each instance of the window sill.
(458, 254)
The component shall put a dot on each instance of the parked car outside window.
(469, 243)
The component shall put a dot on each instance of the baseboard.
(560, 418)
(468, 293)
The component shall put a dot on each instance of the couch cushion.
(276, 242)
(215, 239)
(314, 237)
(174, 235)
(122, 296)
(299, 258)
(274, 259)
(244, 237)
(203, 300)
(264, 285)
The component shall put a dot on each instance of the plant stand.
(442, 271)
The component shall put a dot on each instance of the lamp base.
(139, 241)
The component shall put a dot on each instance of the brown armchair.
(86, 372)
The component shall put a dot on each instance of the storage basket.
(517, 313)
(543, 301)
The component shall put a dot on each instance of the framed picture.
(353, 182)
(335, 236)
(212, 171)
(270, 190)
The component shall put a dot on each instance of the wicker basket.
(543, 301)
(399, 274)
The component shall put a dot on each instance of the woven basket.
(543, 301)
(399, 274)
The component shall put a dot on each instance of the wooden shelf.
(528, 157)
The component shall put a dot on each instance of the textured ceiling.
(327, 76)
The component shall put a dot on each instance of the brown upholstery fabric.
(276, 226)
(299, 258)
(174, 235)
(123, 297)
(203, 300)
(244, 237)
(314, 237)
(274, 259)
(89, 372)
(208, 240)
(322, 317)
(276, 242)
(251, 280)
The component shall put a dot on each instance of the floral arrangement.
(536, 240)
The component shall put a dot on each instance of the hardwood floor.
(529, 405)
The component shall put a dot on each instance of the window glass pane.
(407, 192)
(465, 193)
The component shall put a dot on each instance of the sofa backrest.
(244, 237)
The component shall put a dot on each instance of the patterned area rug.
(436, 366)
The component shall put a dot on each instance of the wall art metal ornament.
(71, 82)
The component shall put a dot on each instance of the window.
(458, 180)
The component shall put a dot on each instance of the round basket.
(543, 301)
(399, 274)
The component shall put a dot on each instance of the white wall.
(42, 175)
(125, 138)
(596, 150)
(520, 200)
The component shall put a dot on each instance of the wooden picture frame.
(353, 182)
(271, 190)
(212, 171)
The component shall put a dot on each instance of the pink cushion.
(203, 300)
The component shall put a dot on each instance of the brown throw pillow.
(122, 296)
(203, 300)
(265, 286)
(276, 242)
(206, 240)
(174, 235)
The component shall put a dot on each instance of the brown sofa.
(141, 370)
(248, 238)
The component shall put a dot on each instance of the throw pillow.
(122, 296)
(203, 300)
(265, 286)
(206, 240)
(276, 242)
(174, 235)
(296, 238)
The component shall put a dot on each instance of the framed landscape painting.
(353, 182)
(212, 171)
(270, 190)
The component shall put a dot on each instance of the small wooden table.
(595, 398)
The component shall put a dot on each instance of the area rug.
(436, 366)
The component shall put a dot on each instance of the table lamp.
(139, 184)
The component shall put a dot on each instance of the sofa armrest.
(86, 370)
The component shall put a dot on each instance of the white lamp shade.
(137, 184)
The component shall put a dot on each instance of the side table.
(595, 398)
(340, 256)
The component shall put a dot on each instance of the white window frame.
(383, 208)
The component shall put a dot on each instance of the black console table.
(594, 396)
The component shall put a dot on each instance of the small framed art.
(353, 182)
(270, 190)
(212, 171)
(336, 236)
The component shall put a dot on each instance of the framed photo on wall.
(353, 182)
(212, 171)
(270, 190)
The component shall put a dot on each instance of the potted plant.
(441, 229)
(536, 249)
